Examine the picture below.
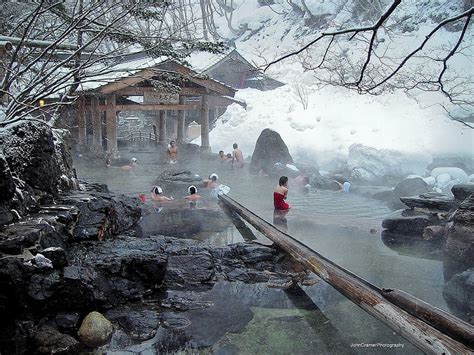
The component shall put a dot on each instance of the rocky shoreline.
(69, 256)
(82, 267)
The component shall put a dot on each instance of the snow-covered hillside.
(336, 117)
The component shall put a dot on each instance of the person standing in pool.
(237, 157)
(279, 194)
(172, 153)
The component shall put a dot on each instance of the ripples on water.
(343, 227)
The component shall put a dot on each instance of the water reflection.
(339, 226)
(280, 221)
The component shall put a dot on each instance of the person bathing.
(157, 194)
(279, 194)
(193, 196)
(212, 182)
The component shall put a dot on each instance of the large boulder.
(95, 330)
(407, 187)
(462, 191)
(459, 252)
(431, 201)
(7, 186)
(459, 292)
(50, 341)
(269, 149)
(29, 149)
(408, 222)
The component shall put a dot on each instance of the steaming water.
(343, 227)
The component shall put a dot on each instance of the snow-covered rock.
(453, 172)
(442, 180)
(368, 163)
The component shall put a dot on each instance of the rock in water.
(95, 330)
(269, 149)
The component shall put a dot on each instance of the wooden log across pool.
(369, 297)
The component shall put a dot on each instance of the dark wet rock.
(379, 193)
(459, 292)
(407, 187)
(431, 201)
(102, 215)
(140, 325)
(459, 250)
(179, 176)
(7, 216)
(254, 253)
(62, 147)
(7, 186)
(16, 237)
(190, 269)
(269, 149)
(183, 222)
(56, 255)
(95, 330)
(408, 222)
(462, 191)
(50, 341)
(29, 150)
(43, 286)
(434, 232)
(139, 260)
(67, 321)
(323, 183)
(95, 187)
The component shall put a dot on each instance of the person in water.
(130, 166)
(212, 182)
(157, 194)
(279, 194)
(172, 153)
(193, 196)
(237, 157)
(222, 156)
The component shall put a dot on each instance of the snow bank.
(338, 118)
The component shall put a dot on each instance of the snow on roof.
(201, 61)
(118, 71)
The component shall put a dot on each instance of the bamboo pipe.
(359, 291)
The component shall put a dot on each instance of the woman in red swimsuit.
(279, 194)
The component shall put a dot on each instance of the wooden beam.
(358, 290)
(81, 123)
(456, 328)
(180, 135)
(154, 107)
(96, 126)
(205, 123)
(162, 127)
(126, 82)
(139, 91)
(111, 119)
(207, 83)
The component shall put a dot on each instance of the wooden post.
(3, 59)
(181, 122)
(111, 119)
(162, 128)
(96, 127)
(205, 123)
(361, 292)
(81, 124)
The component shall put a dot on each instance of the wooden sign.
(154, 97)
